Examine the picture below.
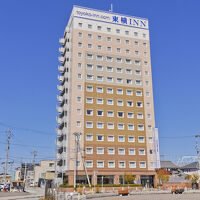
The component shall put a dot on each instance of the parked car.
(177, 190)
(1, 186)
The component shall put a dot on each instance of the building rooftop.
(168, 164)
(193, 165)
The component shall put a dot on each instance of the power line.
(26, 129)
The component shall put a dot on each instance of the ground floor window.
(105, 179)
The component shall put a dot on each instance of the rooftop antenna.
(111, 8)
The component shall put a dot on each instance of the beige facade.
(106, 85)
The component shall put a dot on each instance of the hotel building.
(105, 94)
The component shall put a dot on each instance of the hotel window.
(138, 82)
(99, 47)
(99, 28)
(110, 138)
(148, 105)
(89, 26)
(89, 77)
(130, 127)
(117, 30)
(80, 24)
(100, 164)
(138, 93)
(110, 102)
(132, 164)
(79, 55)
(89, 137)
(110, 125)
(78, 111)
(127, 42)
(99, 57)
(89, 56)
(119, 80)
(89, 36)
(80, 44)
(89, 46)
(89, 124)
(126, 32)
(121, 151)
(122, 164)
(128, 71)
(99, 68)
(146, 73)
(89, 88)
(128, 61)
(118, 50)
(139, 104)
(89, 100)
(119, 70)
(120, 102)
(149, 128)
(99, 37)
(78, 124)
(99, 112)
(109, 48)
(110, 113)
(89, 112)
(141, 152)
(150, 139)
(99, 78)
(111, 164)
(100, 150)
(120, 114)
(138, 72)
(119, 91)
(148, 116)
(89, 150)
(109, 79)
(147, 94)
(131, 151)
(144, 44)
(79, 76)
(79, 87)
(131, 139)
(136, 43)
(128, 81)
(110, 90)
(119, 60)
(136, 53)
(108, 29)
(99, 89)
(127, 51)
(151, 151)
(79, 65)
(147, 83)
(121, 138)
(144, 35)
(111, 151)
(108, 39)
(99, 101)
(100, 138)
(78, 99)
(80, 34)
(141, 139)
(109, 69)
(89, 67)
(137, 62)
(109, 59)
(89, 164)
(118, 40)
(135, 34)
(120, 126)
(145, 63)
(139, 115)
(140, 127)
(130, 115)
(145, 54)
(130, 103)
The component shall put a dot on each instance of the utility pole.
(7, 149)
(198, 148)
(34, 160)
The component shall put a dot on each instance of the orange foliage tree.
(163, 175)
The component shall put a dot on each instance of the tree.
(163, 175)
(195, 178)
(128, 178)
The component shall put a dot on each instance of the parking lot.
(155, 197)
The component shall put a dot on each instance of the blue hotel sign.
(110, 17)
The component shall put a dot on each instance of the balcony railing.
(61, 88)
(59, 109)
(59, 132)
(61, 59)
(59, 120)
(60, 98)
(62, 50)
(59, 144)
(62, 41)
(61, 69)
(61, 78)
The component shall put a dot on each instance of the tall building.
(106, 95)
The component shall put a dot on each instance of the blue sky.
(29, 36)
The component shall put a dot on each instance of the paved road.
(155, 197)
